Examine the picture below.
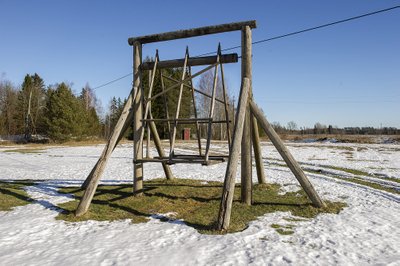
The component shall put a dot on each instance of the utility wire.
(112, 81)
(277, 37)
(310, 29)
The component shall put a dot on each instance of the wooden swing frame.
(245, 133)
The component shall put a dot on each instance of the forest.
(34, 111)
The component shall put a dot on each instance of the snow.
(366, 232)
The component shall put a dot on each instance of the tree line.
(34, 110)
(292, 128)
(53, 111)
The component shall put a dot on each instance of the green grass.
(357, 180)
(12, 194)
(196, 203)
(283, 229)
(362, 173)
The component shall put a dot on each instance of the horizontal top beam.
(194, 61)
(172, 35)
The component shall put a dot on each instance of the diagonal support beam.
(178, 106)
(100, 166)
(287, 156)
(225, 208)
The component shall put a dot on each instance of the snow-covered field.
(366, 232)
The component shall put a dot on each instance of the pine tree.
(63, 118)
(8, 105)
(30, 106)
(158, 104)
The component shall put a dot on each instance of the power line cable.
(277, 37)
(112, 81)
(311, 29)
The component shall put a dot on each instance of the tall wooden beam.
(173, 35)
(225, 208)
(137, 121)
(287, 156)
(246, 165)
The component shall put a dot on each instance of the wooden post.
(137, 121)
(225, 209)
(257, 150)
(246, 165)
(284, 152)
(93, 179)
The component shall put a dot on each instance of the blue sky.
(345, 75)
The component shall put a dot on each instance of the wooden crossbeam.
(194, 61)
(173, 35)
(187, 120)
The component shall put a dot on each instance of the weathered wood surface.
(287, 156)
(178, 106)
(212, 105)
(195, 111)
(172, 35)
(225, 209)
(194, 61)
(226, 107)
(165, 103)
(147, 105)
(137, 123)
(127, 124)
(186, 120)
(160, 150)
(197, 90)
(94, 176)
(246, 162)
(257, 150)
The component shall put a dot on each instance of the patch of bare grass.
(196, 203)
(12, 194)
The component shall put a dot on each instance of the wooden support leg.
(246, 165)
(157, 143)
(98, 170)
(127, 124)
(257, 150)
(287, 156)
(225, 209)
